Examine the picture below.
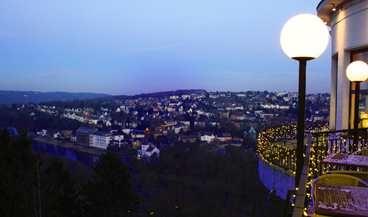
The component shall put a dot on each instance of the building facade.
(82, 135)
(348, 20)
(146, 151)
(100, 139)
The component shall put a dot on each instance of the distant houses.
(83, 135)
(100, 139)
(223, 137)
(179, 118)
(208, 137)
(146, 151)
(188, 138)
(252, 134)
(42, 132)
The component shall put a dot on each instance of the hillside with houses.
(187, 152)
(215, 119)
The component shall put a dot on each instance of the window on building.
(361, 55)
(334, 88)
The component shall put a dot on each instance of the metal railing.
(337, 141)
(277, 146)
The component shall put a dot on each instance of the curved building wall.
(349, 26)
(349, 32)
(275, 178)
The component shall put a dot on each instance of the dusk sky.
(132, 47)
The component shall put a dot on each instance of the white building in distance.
(100, 139)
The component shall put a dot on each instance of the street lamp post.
(357, 72)
(304, 37)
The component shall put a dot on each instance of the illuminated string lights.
(276, 147)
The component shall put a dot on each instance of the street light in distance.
(357, 72)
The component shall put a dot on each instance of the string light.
(276, 147)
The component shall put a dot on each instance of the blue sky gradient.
(133, 47)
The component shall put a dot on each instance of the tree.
(17, 169)
(110, 191)
(59, 198)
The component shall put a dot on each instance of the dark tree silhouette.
(60, 198)
(17, 169)
(110, 191)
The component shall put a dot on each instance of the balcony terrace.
(277, 148)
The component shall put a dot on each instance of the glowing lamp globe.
(363, 115)
(365, 123)
(304, 36)
(357, 71)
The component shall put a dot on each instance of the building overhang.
(325, 9)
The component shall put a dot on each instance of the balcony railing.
(277, 146)
(338, 141)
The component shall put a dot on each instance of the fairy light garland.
(275, 147)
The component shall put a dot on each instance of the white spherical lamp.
(304, 36)
(357, 71)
